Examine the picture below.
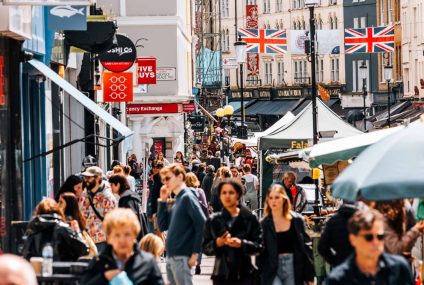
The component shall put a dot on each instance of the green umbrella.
(391, 169)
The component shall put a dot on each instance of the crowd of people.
(196, 208)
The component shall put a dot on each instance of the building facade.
(412, 13)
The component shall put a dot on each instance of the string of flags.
(363, 40)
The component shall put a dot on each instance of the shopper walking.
(95, 202)
(251, 184)
(233, 235)
(296, 194)
(122, 262)
(287, 258)
(208, 182)
(72, 184)
(370, 264)
(184, 221)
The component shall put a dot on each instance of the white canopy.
(253, 141)
(298, 132)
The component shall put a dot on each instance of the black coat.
(302, 254)
(334, 245)
(49, 228)
(154, 194)
(393, 269)
(233, 264)
(141, 268)
(207, 185)
(131, 200)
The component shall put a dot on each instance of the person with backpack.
(136, 167)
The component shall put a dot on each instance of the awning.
(273, 107)
(80, 97)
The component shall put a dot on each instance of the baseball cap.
(93, 171)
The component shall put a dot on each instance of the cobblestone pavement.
(204, 278)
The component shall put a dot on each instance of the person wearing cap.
(95, 202)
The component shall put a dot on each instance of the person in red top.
(296, 194)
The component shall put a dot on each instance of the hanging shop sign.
(197, 123)
(146, 70)
(189, 108)
(142, 109)
(117, 87)
(120, 57)
(67, 18)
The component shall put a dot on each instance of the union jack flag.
(264, 41)
(369, 40)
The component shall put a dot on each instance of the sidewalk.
(204, 278)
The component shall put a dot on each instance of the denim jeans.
(285, 271)
(178, 272)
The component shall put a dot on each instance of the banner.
(117, 87)
(264, 41)
(140, 109)
(251, 16)
(328, 41)
(252, 23)
(370, 40)
(67, 18)
(146, 70)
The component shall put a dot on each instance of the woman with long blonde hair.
(287, 258)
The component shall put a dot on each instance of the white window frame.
(335, 65)
(280, 72)
(268, 73)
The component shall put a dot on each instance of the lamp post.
(228, 111)
(363, 73)
(220, 115)
(311, 4)
(388, 76)
(240, 47)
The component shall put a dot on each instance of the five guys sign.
(146, 70)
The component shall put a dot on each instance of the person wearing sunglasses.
(370, 264)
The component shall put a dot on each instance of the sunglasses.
(370, 237)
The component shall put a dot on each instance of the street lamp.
(240, 47)
(388, 76)
(228, 111)
(220, 115)
(311, 4)
(363, 74)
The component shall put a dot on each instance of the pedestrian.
(296, 194)
(184, 221)
(14, 270)
(153, 244)
(131, 179)
(136, 167)
(370, 264)
(72, 184)
(122, 261)
(224, 173)
(287, 258)
(68, 203)
(95, 202)
(161, 158)
(397, 239)
(201, 172)
(216, 160)
(251, 185)
(233, 236)
(152, 202)
(334, 245)
(49, 226)
(112, 166)
(128, 199)
(179, 157)
(208, 182)
(235, 174)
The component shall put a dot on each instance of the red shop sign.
(2, 96)
(146, 70)
(140, 109)
(117, 87)
(188, 108)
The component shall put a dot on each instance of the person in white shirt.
(131, 179)
(251, 185)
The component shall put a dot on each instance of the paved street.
(204, 277)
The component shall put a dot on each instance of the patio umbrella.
(393, 168)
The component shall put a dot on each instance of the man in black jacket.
(334, 245)
(152, 202)
(369, 264)
(208, 181)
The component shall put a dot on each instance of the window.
(252, 80)
(227, 77)
(225, 12)
(389, 11)
(360, 23)
(267, 6)
(279, 6)
(300, 74)
(334, 69)
(320, 70)
(335, 24)
(298, 4)
(357, 81)
(381, 5)
(319, 23)
(386, 58)
(268, 73)
(303, 25)
(363, 22)
(280, 72)
(225, 40)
